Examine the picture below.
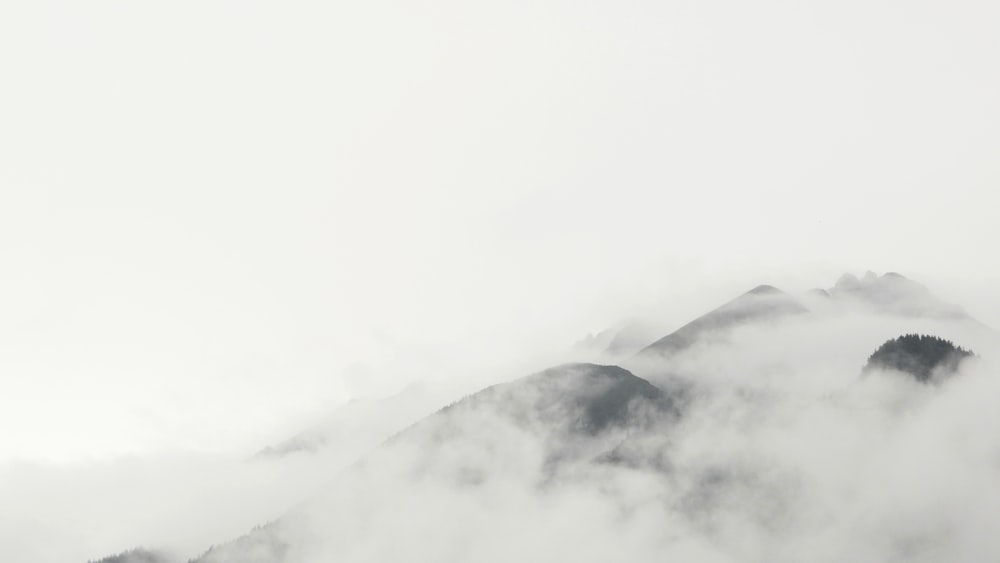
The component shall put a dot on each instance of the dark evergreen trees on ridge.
(919, 355)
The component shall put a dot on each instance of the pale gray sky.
(217, 217)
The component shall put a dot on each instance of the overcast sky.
(219, 218)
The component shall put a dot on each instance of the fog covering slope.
(761, 303)
(756, 467)
(888, 295)
(893, 293)
(890, 299)
(757, 442)
(535, 430)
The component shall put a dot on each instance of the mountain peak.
(765, 289)
(764, 302)
(850, 282)
(846, 282)
(895, 294)
(600, 395)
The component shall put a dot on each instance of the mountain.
(572, 399)
(893, 294)
(925, 358)
(605, 431)
(588, 398)
(762, 303)
(264, 544)
(542, 423)
(570, 413)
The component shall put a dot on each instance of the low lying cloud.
(783, 452)
(177, 503)
(762, 443)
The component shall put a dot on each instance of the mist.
(782, 452)
(243, 244)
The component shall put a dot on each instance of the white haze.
(824, 463)
(210, 203)
(784, 454)
(221, 220)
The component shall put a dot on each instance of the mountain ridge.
(595, 412)
(581, 411)
(762, 303)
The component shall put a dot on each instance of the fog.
(251, 200)
(178, 503)
(783, 452)
(226, 225)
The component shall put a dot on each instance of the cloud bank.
(781, 452)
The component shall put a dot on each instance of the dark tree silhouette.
(136, 555)
(918, 355)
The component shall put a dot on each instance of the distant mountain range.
(761, 304)
(581, 413)
(893, 294)
(890, 295)
(360, 425)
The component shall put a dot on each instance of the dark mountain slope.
(926, 358)
(532, 426)
(584, 398)
(574, 412)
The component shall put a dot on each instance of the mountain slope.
(585, 398)
(564, 415)
(763, 303)
(588, 425)
(532, 427)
